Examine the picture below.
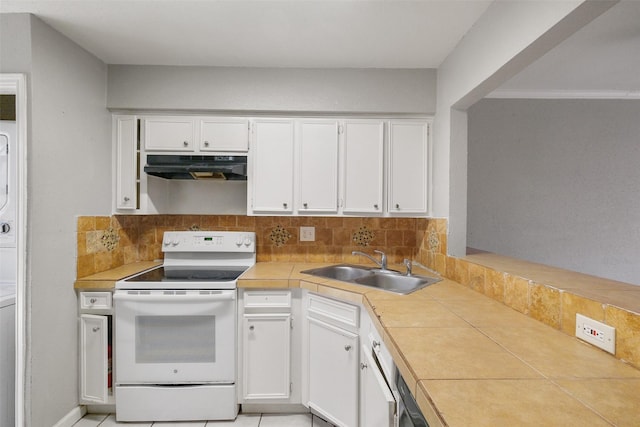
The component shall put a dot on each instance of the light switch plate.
(596, 333)
(307, 234)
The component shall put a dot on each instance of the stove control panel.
(208, 241)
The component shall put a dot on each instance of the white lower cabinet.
(266, 368)
(333, 373)
(96, 338)
(269, 347)
(377, 403)
(94, 386)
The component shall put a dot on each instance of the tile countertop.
(107, 279)
(470, 360)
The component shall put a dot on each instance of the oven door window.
(175, 339)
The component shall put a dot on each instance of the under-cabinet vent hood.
(232, 168)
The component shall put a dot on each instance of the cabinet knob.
(206, 143)
(363, 365)
(284, 205)
(397, 206)
(126, 199)
(5, 228)
(93, 300)
(375, 206)
(347, 347)
(95, 329)
(305, 205)
(376, 344)
(185, 143)
(251, 328)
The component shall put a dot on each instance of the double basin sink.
(387, 280)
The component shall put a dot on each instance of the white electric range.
(175, 330)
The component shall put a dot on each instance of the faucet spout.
(383, 258)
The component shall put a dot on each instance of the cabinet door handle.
(206, 143)
(376, 344)
(397, 206)
(305, 205)
(126, 199)
(251, 328)
(93, 300)
(95, 329)
(363, 365)
(347, 347)
(375, 206)
(284, 205)
(185, 143)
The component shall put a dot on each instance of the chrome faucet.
(407, 263)
(383, 258)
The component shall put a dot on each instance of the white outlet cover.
(307, 234)
(596, 333)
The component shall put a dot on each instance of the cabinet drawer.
(335, 312)
(267, 299)
(95, 300)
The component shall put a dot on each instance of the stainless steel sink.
(387, 280)
(343, 272)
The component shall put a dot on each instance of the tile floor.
(243, 420)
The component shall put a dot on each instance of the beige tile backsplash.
(107, 242)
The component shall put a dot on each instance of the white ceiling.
(603, 56)
(290, 33)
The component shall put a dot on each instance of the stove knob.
(247, 241)
(175, 242)
(239, 241)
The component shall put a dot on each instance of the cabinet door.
(271, 158)
(93, 358)
(224, 135)
(266, 340)
(408, 167)
(363, 166)
(377, 405)
(318, 166)
(333, 373)
(169, 134)
(126, 135)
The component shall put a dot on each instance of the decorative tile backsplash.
(108, 242)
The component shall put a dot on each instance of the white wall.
(375, 91)
(507, 37)
(557, 182)
(69, 169)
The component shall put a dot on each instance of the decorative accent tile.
(110, 239)
(363, 236)
(433, 240)
(279, 236)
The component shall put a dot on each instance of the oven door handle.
(174, 297)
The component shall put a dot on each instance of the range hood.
(232, 168)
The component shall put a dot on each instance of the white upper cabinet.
(125, 129)
(318, 166)
(271, 163)
(169, 134)
(408, 167)
(363, 160)
(226, 135)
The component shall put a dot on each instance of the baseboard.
(72, 417)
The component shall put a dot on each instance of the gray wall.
(69, 174)
(557, 182)
(375, 91)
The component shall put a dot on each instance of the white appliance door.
(175, 337)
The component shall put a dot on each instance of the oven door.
(175, 336)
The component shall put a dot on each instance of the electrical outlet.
(596, 333)
(307, 234)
